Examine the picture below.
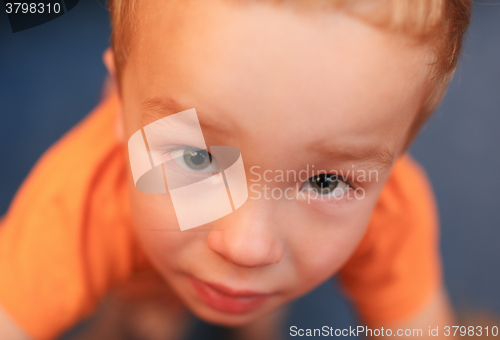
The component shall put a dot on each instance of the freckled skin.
(279, 86)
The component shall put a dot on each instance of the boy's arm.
(9, 330)
(66, 238)
(436, 313)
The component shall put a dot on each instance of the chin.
(211, 316)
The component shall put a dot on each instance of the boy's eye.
(194, 159)
(197, 159)
(326, 185)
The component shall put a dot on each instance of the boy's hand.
(9, 330)
(143, 308)
(437, 313)
(268, 327)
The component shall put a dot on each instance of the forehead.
(323, 77)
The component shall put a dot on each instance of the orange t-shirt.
(67, 237)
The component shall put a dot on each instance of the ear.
(108, 58)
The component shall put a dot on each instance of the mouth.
(228, 300)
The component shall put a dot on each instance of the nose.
(247, 238)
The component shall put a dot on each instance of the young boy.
(332, 86)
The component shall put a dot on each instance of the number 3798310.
(470, 331)
(33, 8)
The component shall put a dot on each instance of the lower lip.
(234, 304)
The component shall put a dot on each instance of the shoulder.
(406, 208)
(407, 197)
(68, 165)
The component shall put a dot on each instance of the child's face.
(292, 92)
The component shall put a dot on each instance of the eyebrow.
(380, 158)
(156, 108)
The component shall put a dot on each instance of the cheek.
(322, 256)
(322, 242)
(156, 225)
(152, 212)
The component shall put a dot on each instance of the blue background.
(51, 76)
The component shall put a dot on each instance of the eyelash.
(330, 196)
(181, 168)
